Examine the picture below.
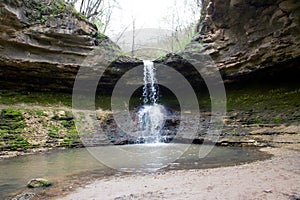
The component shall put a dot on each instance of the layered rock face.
(44, 43)
(248, 36)
(246, 39)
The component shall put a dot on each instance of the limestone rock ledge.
(251, 36)
(44, 43)
(247, 38)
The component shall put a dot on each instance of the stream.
(59, 164)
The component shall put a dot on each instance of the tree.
(96, 11)
(178, 20)
(133, 37)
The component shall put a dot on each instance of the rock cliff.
(248, 36)
(44, 43)
(246, 39)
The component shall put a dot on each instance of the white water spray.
(151, 116)
(150, 89)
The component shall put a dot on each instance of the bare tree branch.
(96, 11)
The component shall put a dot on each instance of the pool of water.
(58, 164)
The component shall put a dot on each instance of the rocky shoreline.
(254, 45)
(274, 178)
(56, 129)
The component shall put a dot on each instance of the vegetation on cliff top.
(40, 12)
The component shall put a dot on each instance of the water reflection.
(55, 165)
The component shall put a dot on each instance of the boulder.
(38, 183)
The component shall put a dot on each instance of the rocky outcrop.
(245, 39)
(44, 43)
(250, 36)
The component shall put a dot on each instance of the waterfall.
(150, 89)
(151, 116)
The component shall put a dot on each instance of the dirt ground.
(276, 178)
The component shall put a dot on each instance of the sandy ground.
(277, 178)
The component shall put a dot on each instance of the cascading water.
(151, 116)
(150, 89)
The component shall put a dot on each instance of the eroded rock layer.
(44, 43)
(250, 36)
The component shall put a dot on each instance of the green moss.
(67, 142)
(53, 132)
(79, 15)
(163, 57)
(19, 143)
(65, 123)
(256, 120)
(197, 49)
(263, 103)
(10, 113)
(40, 113)
(35, 98)
(39, 183)
(11, 121)
(42, 11)
(99, 35)
(69, 115)
(278, 119)
(12, 132)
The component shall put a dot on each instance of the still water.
(56, 165)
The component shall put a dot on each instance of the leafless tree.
(96, 11)
(133, 37)
(179, 20)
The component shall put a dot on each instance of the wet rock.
(39, 182)
(26, 196)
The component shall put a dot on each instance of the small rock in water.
(39, 182)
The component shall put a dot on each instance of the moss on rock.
(38, 183)
(22, 129)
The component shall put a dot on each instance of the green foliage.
(41, 11)
(163, 57)
(40, 113)
(79, 15)
(69, 124)
(278, 119)
(100, 36)
(256, 120)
